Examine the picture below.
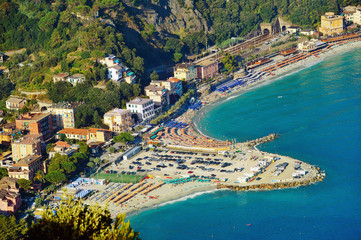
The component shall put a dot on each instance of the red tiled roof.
(62, 144)
(175, 80)
(74, 131)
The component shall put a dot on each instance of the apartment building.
(207, 69)
(26, 167)
(331, 24)
(143, 107)
(37, 123)
(185, 71)
(64, 114)
(159, 95)
(118, 120)
(28, 145)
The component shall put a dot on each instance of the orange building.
(37, 123)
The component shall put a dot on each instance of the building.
(14, 103)
(144, 108)
(159, 95)
(95, 134)
(8, 133)
(6, 159)
(177, 87)
(76, 78)
(37, 123)
(185, 71)
(357, 16)
(309, 46)
(28, 145)
(308, 32)
(348, 12)
(109, 60)
(118, 120)
(61, 77)
(207, 69)
(76, 134)
(331, 24)
(100, 135)
(26, 167)
(10, 199)
(64, 114)
(115, 73)
(63, 148)
(2, 57)
(293, 29)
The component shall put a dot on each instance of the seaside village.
(150, 152)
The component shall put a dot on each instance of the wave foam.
(189, 197)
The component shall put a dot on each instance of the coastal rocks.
(265, 139)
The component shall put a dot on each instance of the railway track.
(236, 49)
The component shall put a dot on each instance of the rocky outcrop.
(172, 17)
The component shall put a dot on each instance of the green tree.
(112, 149)
(124, 137)
(3, 172)
(24, 110)
(83, 148)
(91, 164)
(55, 39)
(55, 177)
(40, 176)
(74, 220)
(154, 76)
(11, 229)
(177, 57)
(229, 63)
(24, 183)
(68, 166)
(97, 119)
(39, 202)
(137, 90)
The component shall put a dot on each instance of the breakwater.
(264, 139)
(278, 185)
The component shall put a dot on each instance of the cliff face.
(169, 16)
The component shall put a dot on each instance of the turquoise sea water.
(317, 112)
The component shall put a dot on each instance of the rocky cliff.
(172, 16)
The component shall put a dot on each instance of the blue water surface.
(317, 113)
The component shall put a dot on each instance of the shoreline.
(278, 75)
(184, 192)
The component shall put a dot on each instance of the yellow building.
(118, 120)
(28, 145)
(185, 71)
(331, 24)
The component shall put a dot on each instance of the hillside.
(71, 36)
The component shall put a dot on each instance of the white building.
(357, 16)
(76, 78)
(115, 73)
(309, 46)
(349, 13)
(143, 107)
